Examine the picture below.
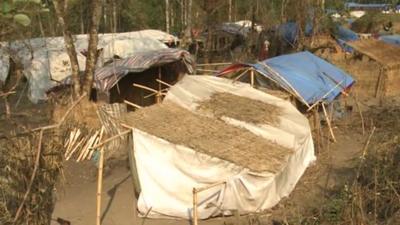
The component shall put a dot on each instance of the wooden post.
(194, 213)
(328, 121)
(99, 184)
(252, 77)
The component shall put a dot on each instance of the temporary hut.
(391, 39)
(45, 61)
(213, 147)
(307, 77)
(134, 78)
(376, 68)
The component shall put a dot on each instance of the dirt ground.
(76, 198)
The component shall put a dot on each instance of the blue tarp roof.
(353, 5)
(290, 31)
(310, 76)
(391, 39)
(344, 35)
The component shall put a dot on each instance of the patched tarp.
(391, 39)
(106, 77)
(305, 74)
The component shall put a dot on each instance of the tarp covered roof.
(345, 35)
(391, 39)
(107, 76)
(386, 54)
(353, 5)
(309, 77)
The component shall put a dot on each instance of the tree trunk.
(114, 16)
(189, 15)
(230, 11)
(167, 16)
(60, 9)
(91, 57)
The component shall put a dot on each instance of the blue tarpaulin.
(313, 78)
(290, 31)
(353, 5)
(391, 39)
(344, 35)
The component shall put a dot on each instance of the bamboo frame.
(328, 121)
(132, 104)
(327, 93)
(195, 191)
(99, 181)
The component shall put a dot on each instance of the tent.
(309, 78)
(391, 39)
(46, 62)
(144, 68)
(370, 6)
(168, 171)
(345, 35)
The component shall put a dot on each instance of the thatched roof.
(385, 54)
(210, 136)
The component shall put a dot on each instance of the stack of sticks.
(81, 146)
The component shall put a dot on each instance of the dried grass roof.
(210, 136)
(241, 108)
(386, 54)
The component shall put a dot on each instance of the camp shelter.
(117, 79)
(177, 147)
(366, 6)
(46, 63)
(376, 68)
(344, 35)
(305, 76)
(391, 39)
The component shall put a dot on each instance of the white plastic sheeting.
(4, 64)
(46, 61)
(168, 172)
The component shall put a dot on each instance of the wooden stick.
(241, 75)
(99, 187)
(162, 82)
(361, 115)
(252, 77)
(194, 213)
(132, 104)
(204, 70)
(322, 98)
(111, 138)
(36, 167)
(198, 190)
(214, 64)
(328, 121)
(7, 93)
(144, 87)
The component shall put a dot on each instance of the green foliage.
(22, 19)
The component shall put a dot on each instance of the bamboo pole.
(195, 220)
(241, 75)
(326, 94)
(214, 64)
(144, 87)
(195, 191)
(99, 184)
(252, 78)
(328, 121)
(162, 82)
(132, 104)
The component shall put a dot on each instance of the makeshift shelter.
(305, 76)
(143, 68)
(45, 61)
(194, 164)
(344, 35)
(369, 6)
(376, 67)
(391, 39)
